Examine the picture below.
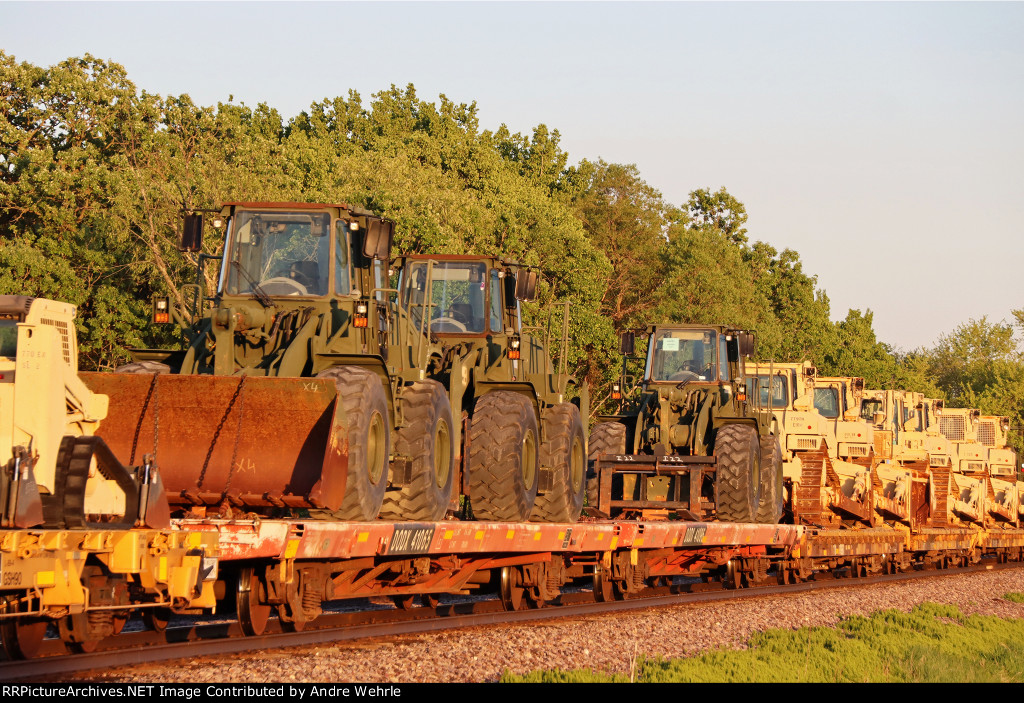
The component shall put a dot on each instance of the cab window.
(826, 402)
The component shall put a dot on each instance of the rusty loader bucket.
(251, 440)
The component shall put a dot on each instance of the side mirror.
(746, 340)
(526, 285)
(378, 238)
(878, 418)
(627, 343)
(192, 233)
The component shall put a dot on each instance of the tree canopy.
(94, 174)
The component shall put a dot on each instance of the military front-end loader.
(301, 386)
(693, 444)
(55, 472)
(521, 445)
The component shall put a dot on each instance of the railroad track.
(195, 640)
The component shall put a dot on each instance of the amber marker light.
(361, 319)
(513, 347)
(161, 310)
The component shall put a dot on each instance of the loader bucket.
(252, 440)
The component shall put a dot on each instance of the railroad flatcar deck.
(313, 539)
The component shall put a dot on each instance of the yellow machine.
(71, 553)
(827, 448)
(56, 473)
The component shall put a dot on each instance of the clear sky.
(882, 141)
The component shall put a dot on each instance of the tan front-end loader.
(56, 473)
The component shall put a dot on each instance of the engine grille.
(953, 427)
(987, 433)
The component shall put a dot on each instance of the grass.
(932, 643)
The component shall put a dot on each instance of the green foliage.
(981, 365)
(94, 174)
(1015, 597)
(932, 643)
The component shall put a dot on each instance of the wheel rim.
(442, 454)
(529, 459)
(577, 466)
(376, 451)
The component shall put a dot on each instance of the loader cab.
(463, 296)
(696, 355)
(301, 251)
(301, 288)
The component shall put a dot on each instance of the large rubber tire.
(605, 438)
(737, 480)
(564, 451)
(369, 440)
(769, 510)
(427, 438)
(503, 457)
(143, 367)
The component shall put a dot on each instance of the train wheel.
(404, 602)
(293, 625)
(156, 619)
(74, 631)
(512, 594)
(565, 451)
(22, 637)
(253, 612)
(732, 578)
(784, 575)
(604, 591)
(503, 457)
(120, 619)
(428, 439)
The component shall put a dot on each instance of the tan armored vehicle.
(1004, 489)
(913, 468)
(827, 451)
(969, 458)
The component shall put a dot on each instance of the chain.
(156, 417)
(238, 434)
(142, 416)
(216, 434)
